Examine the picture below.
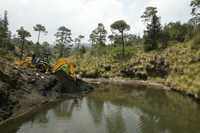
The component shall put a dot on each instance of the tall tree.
(23, 34)
(4, 32)
(148, 14)
(46, 49)
(40, 29)
(6, 20)
(78, 40)
(111, 38)
(195, 4)
(63, 39)
(121, 26)
(153, 29)
(93, 39)
(98, 35)
(101, 34)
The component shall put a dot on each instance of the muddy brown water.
(116, 109)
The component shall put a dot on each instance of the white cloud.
(82, 16)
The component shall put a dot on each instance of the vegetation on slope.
(183, 60)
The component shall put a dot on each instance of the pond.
(116, 109)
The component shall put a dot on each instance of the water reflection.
(65, 109)
(96, 108)
(127, 111)
(41, 118)
(115, 122)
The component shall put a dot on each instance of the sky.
(82, 16)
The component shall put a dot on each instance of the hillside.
(177, 66)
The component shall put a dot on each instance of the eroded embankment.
(23, 90)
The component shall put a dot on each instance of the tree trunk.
(38, 40)
(62, 50)
(123, 44)
(22, 49)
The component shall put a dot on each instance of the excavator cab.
(41, 63)
(63, 69)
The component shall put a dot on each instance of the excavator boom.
(64, 65)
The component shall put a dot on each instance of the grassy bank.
(183, 60)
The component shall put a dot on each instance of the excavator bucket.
(65, 72)
(70, 85)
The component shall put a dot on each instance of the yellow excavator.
(42, 65)
(63, 69)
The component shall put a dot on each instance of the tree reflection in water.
(42, 118)
(66, 108)
(96, 108)
(117, 110)
(115, 122)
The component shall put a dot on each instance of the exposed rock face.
(158, 67)
(107, 67)
(134, 72)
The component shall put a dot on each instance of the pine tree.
(98, 35)
(153, 31)
(63, 40)
(23, 34)
(121, 26)
(4, 32)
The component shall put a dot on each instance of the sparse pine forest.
(169, 54)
